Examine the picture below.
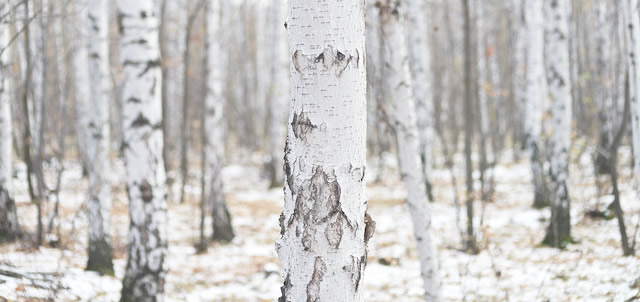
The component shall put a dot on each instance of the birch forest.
(320, 150)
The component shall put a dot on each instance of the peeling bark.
(323, 220)
(147, 247)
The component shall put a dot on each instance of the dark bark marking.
(301, 125)
(313, 287)
(334, 231)
(369, 227)
(146, 191)
(285, 288)
(140, 121)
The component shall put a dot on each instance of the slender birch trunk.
(470, 240)
(92, 64)
(278, 90)
(632, 25)
(535, 97)
(214, 127)
(557, 73)
(420, 56)
(142, 119)
(398, 87)
(9, 226)
(324, 225)
(604, 84)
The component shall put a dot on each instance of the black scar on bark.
(140, 121)
(313, 287)
(156, 63)
(301, 125)
(143, 14)
(285, 288)
(134, 100)
(369, 227)
(146, 191)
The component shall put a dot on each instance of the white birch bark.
(419, 54)
(214, 128)
(604, 84)
(557, 73)
(142, 119)
(520, 59)
(632, 25)
(9, 226)
(278, 90)
(398, 86)
(92, 65)
(535, 97)
(324, 231)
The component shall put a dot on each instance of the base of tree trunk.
(541, 200)
(100, 258)
(562, 242)
(9, 227)
(222, 228)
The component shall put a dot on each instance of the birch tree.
(214, 128)
(142, 139)
(557, 73)
(632, 25)
(324, 225)
(92, 64)
(9, 226)
(419, 54)
(278, 90)
(604, 83)
(398, 88)
(535, 96)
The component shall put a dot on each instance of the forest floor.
(511, 266)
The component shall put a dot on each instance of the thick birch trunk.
(142, 119)
(398, 86)
(557, 73)
(214, 127)
(278, 91)
(92, 64)
(535, 97)
(419, 52)
(324, 226)
(9, 226)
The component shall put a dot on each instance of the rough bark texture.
(9, 226)
(142, 119)
(557, 73)
(278, 91)
(535, 96)
(324, 231)
(398, 88)
(94, 25)
(214, 127)
(419, 53)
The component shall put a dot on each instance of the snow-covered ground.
(511, 267)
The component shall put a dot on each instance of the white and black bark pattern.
(557, 73)
(94, 60)
(278, 90)
(214, 127)
(632, 26)
(419, 54)
(398, 88)
(9, 226)
(324, 231)
(535, 97)
(142, 139)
